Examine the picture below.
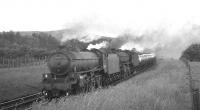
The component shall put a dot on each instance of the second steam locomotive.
(75, 72)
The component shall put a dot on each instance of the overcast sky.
(114, 15)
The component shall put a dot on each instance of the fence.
(21, 61)
(194, 90)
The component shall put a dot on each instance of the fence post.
(45, 59)
(24, 60)
(13, 61)
(190, 82)
(3, 61)
(196, 99)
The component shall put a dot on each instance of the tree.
(192, 53)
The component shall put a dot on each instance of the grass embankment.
(162, 88)
(15, 82)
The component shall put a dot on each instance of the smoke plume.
(165, 42)
(75, 31)
(123, 39)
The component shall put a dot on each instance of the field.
(15, 82)
(164, 87)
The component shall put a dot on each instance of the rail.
(19, 102)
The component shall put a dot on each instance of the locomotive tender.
(75, 72)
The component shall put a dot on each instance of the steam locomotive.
(75, 72)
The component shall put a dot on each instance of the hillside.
(163, 87)
(14, 44)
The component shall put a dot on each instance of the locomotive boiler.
(75, 72)
(65, 62)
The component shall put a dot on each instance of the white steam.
(98, 46)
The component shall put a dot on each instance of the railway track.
(21, 103)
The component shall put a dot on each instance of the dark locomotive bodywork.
(65, 62)
(72, 72)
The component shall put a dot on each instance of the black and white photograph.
(99, 55)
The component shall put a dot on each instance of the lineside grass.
(195, 72)
(164, 87)
(15, 82)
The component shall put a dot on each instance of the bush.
(192, 53)
(14, 45)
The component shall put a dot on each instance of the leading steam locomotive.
(75, 72)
